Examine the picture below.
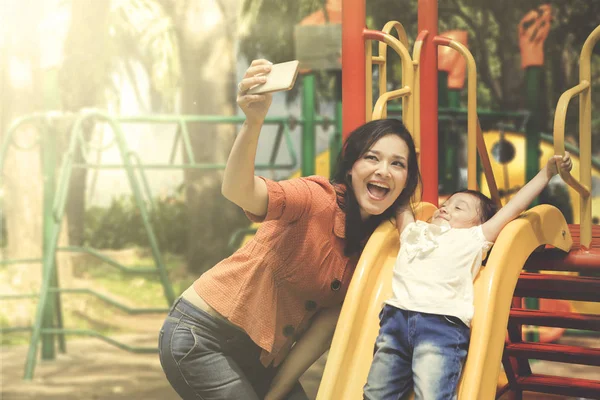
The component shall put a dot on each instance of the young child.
(425, 327)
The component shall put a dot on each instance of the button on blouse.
(294, 266)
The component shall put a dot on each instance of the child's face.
(461, 210)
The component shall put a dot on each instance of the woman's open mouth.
(377, 191)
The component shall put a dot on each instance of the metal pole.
(48, 155)
(428, 20)
(533, 79)
(353, 65)
(308, 125)
(335, 145)
(446, 146)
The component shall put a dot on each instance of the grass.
(84, 311)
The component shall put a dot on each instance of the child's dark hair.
(487, 208)
(357, 144)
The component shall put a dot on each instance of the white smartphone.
(281, 77)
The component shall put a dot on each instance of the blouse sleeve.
(289, 199)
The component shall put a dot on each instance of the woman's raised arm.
(239, 183)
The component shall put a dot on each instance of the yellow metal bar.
(585, 135)
(560, 116)
(487, 167)
(416, 132)
(382, 101)
(382, 73)
(369, 80)
(471, 107)
(407, 74)
(584, 90)
(387, 28)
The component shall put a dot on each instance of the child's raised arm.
(524, 197)
(404, 216)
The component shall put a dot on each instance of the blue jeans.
(426, 351)
(207, 359)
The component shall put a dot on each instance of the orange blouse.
(293, 267)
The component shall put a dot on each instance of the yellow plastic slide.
(352, 347)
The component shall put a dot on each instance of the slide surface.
(352, 347)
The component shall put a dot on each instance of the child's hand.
(562, 162)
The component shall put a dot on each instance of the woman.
(227, 334)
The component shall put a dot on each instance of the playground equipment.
(48, 324)
(543, 227)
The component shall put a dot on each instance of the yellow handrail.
(382, 52)
(471, 107)
(585, 136)
(369, 81)
(560, 116)
(487, 167)
(416, 132)
(379, 109)
(407, 75)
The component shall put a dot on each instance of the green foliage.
(268, 32)
(3, 237)
(492, 30)
(121, 225)
(270, 27)
(143, 32)
(109, 36)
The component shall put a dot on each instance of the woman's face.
(379, 176)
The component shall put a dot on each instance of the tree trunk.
(84, 76)
(206, 31)
(22, 182)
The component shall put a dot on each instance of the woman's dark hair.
(358, 143)
(487, 208)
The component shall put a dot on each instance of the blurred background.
(116, 119)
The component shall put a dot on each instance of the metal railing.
(55, 196)
(583, 89)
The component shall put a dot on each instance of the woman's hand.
(254, 106)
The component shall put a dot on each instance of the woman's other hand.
(254, 106)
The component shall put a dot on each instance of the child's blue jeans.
(426, 351)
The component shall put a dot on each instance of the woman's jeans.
(424, 350)
(208, 359)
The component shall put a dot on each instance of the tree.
(107, 38)
(21, 178)
(206, 32)
(84, 76)
(267, 31)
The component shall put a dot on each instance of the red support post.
(428, 20)
(353, 66)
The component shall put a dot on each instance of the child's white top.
(435, 269)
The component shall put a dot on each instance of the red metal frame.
(354, 35)
(428, 21)
(353, 66)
